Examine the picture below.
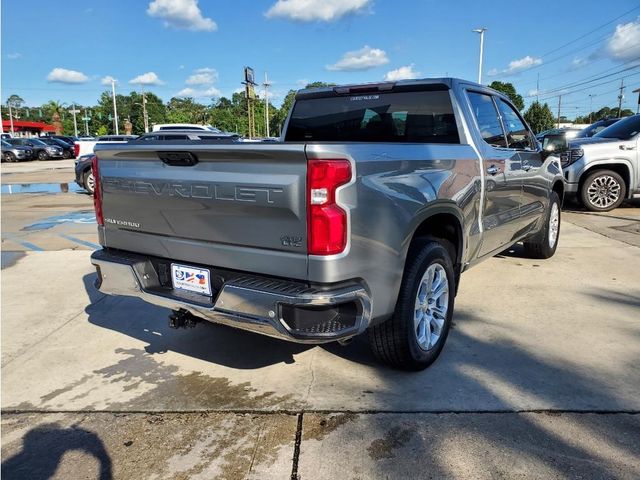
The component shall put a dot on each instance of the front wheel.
(545, 242)
(9, 157)
(602, 191)
(42, 155)
(66, 154)
(414, 336)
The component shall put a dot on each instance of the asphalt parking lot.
(540, 376)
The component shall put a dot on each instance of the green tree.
(16, 101)
(509, 90)
(539, 117)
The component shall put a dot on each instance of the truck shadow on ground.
(44, 446)
(207, 341)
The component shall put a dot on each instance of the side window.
(518, 135)
(487, 117)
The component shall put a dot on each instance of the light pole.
(590, 105)
(115, 109)
(75, 123)
(481, 32)
(266, 85)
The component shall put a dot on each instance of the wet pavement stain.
(384, 447)
(19, 188)
(175, 445)
(139, 381)
(318, 427)
(83, 217)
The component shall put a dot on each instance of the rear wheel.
(544, 243)
(414, 336)
(66, 154)
(603, 190)
(89, 182)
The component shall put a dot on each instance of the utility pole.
(144, 112)
(590, 106)
(10, 117)
(75, 123)
(620, 97)
(481, 32)
(538, 88)
(559, 104)
(266, 85)
(86, 119)
(115, 109)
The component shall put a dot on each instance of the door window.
(487, 118)
(518, 135)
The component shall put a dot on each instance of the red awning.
(20, 125)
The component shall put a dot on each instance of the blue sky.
(63, 50)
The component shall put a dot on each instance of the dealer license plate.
(191, 278)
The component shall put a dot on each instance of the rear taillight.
(76, 150)
(97, 191)
(326, 221)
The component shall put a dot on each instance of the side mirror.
(554, 144)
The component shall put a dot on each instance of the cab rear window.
(412, 117)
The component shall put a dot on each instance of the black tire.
(89, 186)
(9, 157)
(42, 155)
(541, 245)
(608, 180)
(395, 341)
(66, 154)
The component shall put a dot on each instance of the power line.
(587, 88)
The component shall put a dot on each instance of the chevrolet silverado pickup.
(361, 218)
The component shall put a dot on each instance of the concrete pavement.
(87, 374)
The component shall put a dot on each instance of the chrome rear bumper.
(278, 308)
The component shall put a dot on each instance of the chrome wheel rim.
(90, 182)
(432, 303)
(554, 224)
(604, 191)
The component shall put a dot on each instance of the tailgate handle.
(178, 159)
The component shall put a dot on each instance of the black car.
(596, 127)
(84, 176)
(40, 149)
(67, 149)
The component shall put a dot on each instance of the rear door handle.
(526, 167)
(493, 170)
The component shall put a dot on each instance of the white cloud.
(532, 93)
(403, 73)
(62, 75)
(316, 10)
(517, 66)
(107, 80)
(14, 56)
(624, 44)
(181, 14)
(362, 59)
(149, 78)
(198, 93)
(202, 76)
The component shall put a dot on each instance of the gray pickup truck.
(362, 217)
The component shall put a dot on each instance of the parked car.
(84, 175)
(596, 127)
(362, 218)
(65, 138)
(85, 147)
(40, 149)
(6, 136)
(568, 133)
(67, 150)
(603, 170)
(15, 153)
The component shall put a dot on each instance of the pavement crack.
(313, 375)
(296, 448)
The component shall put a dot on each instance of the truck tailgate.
(239, 206)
